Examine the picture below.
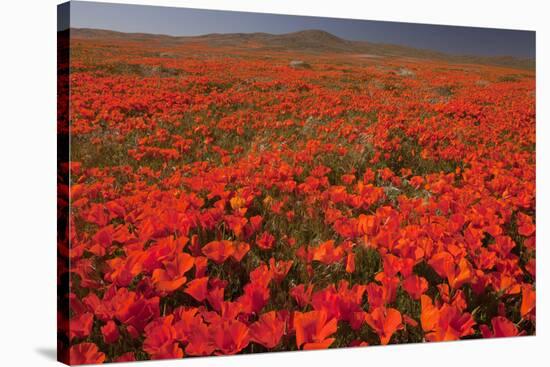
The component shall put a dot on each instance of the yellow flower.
(236, 202)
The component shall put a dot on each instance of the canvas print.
(233, 183)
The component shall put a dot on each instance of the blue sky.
(186, 22)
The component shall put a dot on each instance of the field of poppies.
(225, 201)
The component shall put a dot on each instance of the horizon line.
(519, 58)
(186, 21)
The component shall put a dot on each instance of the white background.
(28, 182)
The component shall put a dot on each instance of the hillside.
(307, 41)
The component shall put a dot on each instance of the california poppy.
(268, 330)
(81, 326)
(265, 241)
(110, 332)
(415, 286)
(302, 294)
(197, 288)
(444, 323)
(525, 225)
(86, 353)
(172, 276)
(229, 336)
(218, 251)
(385, 321)
(502, 327)
(313, 329)
(528, 300)
(446, 266)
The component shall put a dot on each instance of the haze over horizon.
(193, 22)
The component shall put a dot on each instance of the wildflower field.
(227, 200)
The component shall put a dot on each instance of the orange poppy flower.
(172, 276)
(201, 266)
(192, 329)
(313, 329)
(229, 336)
(199, 341)
(429, 315)
(502, 327)
(268, 330)
(255, 297)
(377, 295)
(279, 269)
(350, 263)
(445, 266)
(215, 297)
(81, 326)
(236, 223)
(85, 353)
(528, 300)
(327, 253)
(301, 294)
(218, 251)
(198, 288)
(525, 225)
(385, 321)
(136, 311)
(444, 323)
(237, 202)
(415, 286)
(160, 338)
(110, 332)
(241, 249)
(265, 241)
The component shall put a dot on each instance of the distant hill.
(307, 41)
